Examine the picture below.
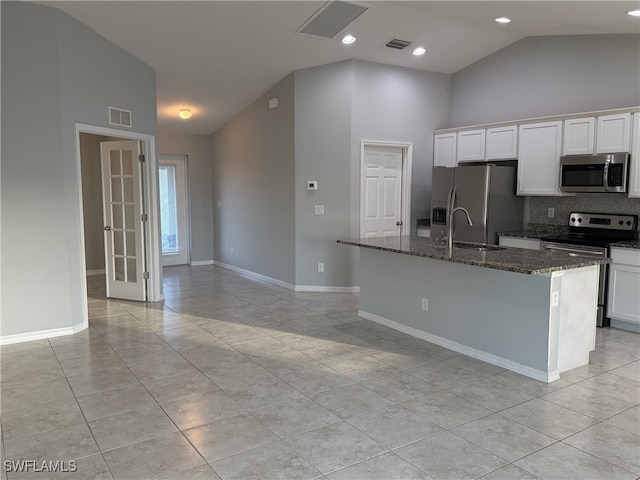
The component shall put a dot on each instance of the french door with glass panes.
(123, 221)
(172, 182)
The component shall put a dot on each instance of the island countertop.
(531, 262)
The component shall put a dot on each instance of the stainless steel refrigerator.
(487, 191)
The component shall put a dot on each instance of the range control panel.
(604, 221)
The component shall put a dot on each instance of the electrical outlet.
(551, 212)
(319, 210)
(555, 298)
(321, 268)
(425, 304)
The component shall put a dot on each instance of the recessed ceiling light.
(348, 39)
(419, 51)
(185, 113)
(503, 20)
(634, 13)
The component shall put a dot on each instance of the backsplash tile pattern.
(591, 203)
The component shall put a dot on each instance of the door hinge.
(144, 217)
(145, 275)
(141, 158)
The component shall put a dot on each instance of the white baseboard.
(280, 283)
(258, 276)
(41, 334)
(321, 289)
(465, 350)
(198, 263)
(91, 273)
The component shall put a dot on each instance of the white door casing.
(178, 253)
(123, 221)
(384, 189)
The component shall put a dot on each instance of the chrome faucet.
(450, 225)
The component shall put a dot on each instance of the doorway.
(148, 182)
(174, 209)
(385, 189)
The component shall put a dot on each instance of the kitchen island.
(532, 312)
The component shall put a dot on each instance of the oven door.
(587, 251)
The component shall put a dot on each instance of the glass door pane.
(168, 210)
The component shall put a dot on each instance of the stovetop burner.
(597, 229)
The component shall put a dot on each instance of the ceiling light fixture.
(634, 13)
(419, 51)
(503, 20)
(185, 113)
(348, 39)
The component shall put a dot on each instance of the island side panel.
(501, 313)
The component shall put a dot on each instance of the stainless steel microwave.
(594, 173)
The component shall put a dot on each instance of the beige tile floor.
(234, 378)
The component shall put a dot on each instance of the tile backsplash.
(589, 203)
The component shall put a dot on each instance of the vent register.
(120, 117)
(335, 16)
(331, 19)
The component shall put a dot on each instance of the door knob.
(399, 222)
(107, 228)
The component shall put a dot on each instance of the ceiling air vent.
(118, 116)
(397, 44)
(332, 18)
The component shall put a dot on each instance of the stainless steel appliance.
(590, 235)
(594, 173)
(487, 191)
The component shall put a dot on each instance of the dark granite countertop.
(531, 262)
(628, 244)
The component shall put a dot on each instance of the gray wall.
(197, 148)
(540, 76)
(55, 72)
(253, 171)
(323, 105)
(92, 200)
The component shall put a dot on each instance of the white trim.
(407, 168)
(322, 289)
(150, 179)
(289, 286)
(197, 263)
(465, 350)
(258, 276)
(91, 273)
(41, 334)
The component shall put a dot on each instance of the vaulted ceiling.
(215, 57)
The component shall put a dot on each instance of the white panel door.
(172, 180)
(381, 192)
(122, 214)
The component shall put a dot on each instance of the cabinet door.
(539, 158)
(624, 285)
(612, 133)
(444, 150)
(578, 136)
(502, 143)
(634, 167)
(470, 146)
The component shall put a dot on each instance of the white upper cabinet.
(579, 136)
(613, 133)
(539, 158)
(634, 167)
(444, 150)
(502, 143)
(470, 145)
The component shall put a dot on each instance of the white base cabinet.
(624, 285)
(520, 242)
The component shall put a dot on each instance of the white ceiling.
(217, 57)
